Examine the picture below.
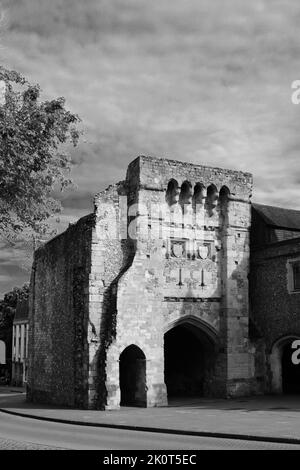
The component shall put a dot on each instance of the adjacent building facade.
(275, 295)
(3, 368)
(5, 355)
(147, 298)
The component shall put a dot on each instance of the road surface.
(25, 433)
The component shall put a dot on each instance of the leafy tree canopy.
(33, 159)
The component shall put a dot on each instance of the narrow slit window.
(296, 276)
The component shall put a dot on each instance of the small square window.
(296, 276)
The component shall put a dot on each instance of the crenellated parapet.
(191, 181)
(200, 193)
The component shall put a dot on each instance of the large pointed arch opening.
(133, 377)
(285, 374)
(190, 348)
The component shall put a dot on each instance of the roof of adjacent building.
(21, 311)
(279, 217)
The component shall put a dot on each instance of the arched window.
(186, 193)
(224, 195)
(199, 194)
(212, 198)
(172, 195)
(223, 200)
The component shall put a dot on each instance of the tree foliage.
(34, 161)
(9, 304)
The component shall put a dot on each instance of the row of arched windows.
(199, 194)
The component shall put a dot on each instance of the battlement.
(156, 173)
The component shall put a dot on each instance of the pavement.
(16, 432)
(263, 418)
(10, 444)
(7, 390)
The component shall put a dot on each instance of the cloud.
(207, 82)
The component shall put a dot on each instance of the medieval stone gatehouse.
(147, 297)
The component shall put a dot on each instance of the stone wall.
(58, 318)
(274, 309)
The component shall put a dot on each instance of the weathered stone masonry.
(59, 318)
(96, 292)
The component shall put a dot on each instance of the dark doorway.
(184, 363)
(290, 371)
(133, 377)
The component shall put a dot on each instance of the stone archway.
(190, 354)
(285, 376)
(133, 377)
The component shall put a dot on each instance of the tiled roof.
(279, 217)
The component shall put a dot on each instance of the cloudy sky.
(204, 81)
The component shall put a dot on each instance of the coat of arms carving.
(178, 249)
(204, 250)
